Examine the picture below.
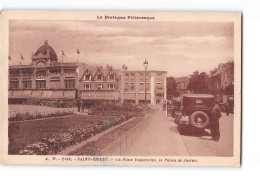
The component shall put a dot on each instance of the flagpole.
(21, 59)
(77, 55)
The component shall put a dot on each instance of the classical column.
(152, 87)
(122, 86)
(33, 77)
(137, 83)
(20, 78)
(164, 87)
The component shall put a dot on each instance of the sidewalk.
(159, 138)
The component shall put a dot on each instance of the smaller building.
(132, 86)
(182, 86)
(98, 83)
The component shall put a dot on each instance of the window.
(111, 86)
(159, 87)
(126, 86)
(87, 77)
(69, 71)
(14, 84)
(69, 83)
(99, 86)
(178, 86)
(40, 84)
(132, 75)
(40, 73)
(55, 83)
(87, 86)
(132, 86)
(141, 87)
(99, 77)
(27, 73)
(111, 76)
(14, 73)
(27, 84)
(55, 71)
(126, 76)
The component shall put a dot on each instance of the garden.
(56, 133)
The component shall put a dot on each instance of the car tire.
(199, 119)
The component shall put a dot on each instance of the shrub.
(28, 116)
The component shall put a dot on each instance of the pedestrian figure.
(215, 116)
(229, 106)
(82, 106)
(79, 104)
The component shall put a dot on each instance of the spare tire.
(199, 119)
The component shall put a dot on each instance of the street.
(161, 138)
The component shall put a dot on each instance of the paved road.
(161, 138)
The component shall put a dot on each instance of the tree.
(229, 90)
(198, 82)
(171, 86)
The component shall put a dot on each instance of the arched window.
(40, 64)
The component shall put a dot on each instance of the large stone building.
(47, 78)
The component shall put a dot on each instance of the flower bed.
(95, 148)
(57, 141)
(116, 108)
(29, 116)
(44, 137)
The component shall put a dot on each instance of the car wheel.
(199, 119)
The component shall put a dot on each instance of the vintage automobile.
(194, 113)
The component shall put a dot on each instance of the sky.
(180, 48)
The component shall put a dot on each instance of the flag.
(22, 57)
(78, 52)
(62, 52)
(9, 58)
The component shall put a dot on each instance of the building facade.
(99, 83)
(182, 86)
(132, 86)
(222, 77)
(47, 78)
(44, 78)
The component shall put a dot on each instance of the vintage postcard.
(120, 88)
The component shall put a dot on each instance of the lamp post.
(145, 68)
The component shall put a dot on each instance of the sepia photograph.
(122, 88)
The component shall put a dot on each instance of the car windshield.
(191, 101)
